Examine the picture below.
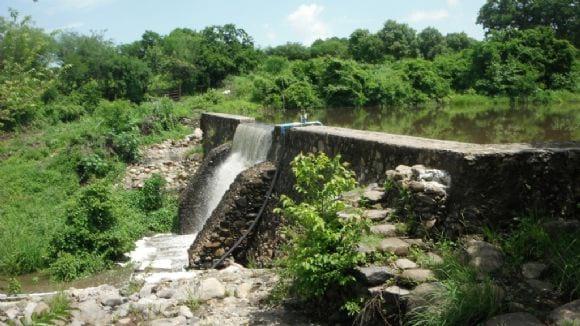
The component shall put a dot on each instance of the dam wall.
(490, 184)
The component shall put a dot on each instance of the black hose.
(254, 223)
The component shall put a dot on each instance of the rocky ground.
(406, 278)
(232, 296)
(174, 160)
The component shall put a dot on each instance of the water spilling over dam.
(250, 146)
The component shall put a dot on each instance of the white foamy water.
(250, 146)
(162, 252)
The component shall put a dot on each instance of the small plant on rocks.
(322, 247)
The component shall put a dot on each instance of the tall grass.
(461, 300)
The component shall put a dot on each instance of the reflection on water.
(467, 124)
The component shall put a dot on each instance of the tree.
(431, 43)
(425, 80)
(458, 41)
(332, 47)
(399, 40)
(366, 47)
(560, 15)
(511, 58)
(292, 51)
(343, 83)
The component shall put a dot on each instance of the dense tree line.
(528, 51)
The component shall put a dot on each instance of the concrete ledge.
(219, 128)
(490, 183)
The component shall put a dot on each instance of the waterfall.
(250, 146)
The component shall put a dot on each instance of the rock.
(387, 230)
(41, 308)
(211, 288)
(373, 193)
(243, 290)
(90, 312)
(352, 197)
(146, 290)
(165, 293)
(424, 294)
(540, 285)
(485, 257)
(374, 275)
(348, 214)
(394, 245)
(197, 133)
(404, 263)
(124, 321)
(185, 312)
(28, 310)
(364, 249)
(112, 300)
(177, 321)
(434, 259)
(418, 275)
(533, 270)
(376, 214)
(514, 319)
(568, 314)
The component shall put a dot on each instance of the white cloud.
(420, 16)
(452, 3)
(307, 23)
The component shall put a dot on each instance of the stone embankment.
(174, 160)
(412, 203)
(232, 296)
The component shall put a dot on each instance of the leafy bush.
(427, 84)
(301, 95)
(163, 114)
(322, 248)
(386, 87)
(126, 146)
(343, 82)
(117, 115)
(153, 193)
(65, 112)
(92, 166)
(91, 239)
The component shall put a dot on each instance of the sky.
(270, 22)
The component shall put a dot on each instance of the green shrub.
(126, 146)
(322, 248)
(92, 237)
(14, 286)
(68, 267)
(163, 114)
(153, 193)
(301, 95)
(386, 87)
(92, 166)
(60, 310)
(117, 115)
(65, 112)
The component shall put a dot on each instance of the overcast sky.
(269, 22)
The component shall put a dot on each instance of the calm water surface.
(481, 125)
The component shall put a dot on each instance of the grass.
(531, 241)
(38, 178)
(60, 310)
(462, 298)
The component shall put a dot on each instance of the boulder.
(177, 321)
(540, 286)
(514, 319)
(423, 294)
(373, 193)
(165, 293)
(377, 214)
(485, 257)
(568, 314)
(243, 290)
(111, 300)
(185, 312)
(211, 288)
(418, 275)
(374, 275)
(404, 263)
(41, 308)
(395, 246)
(387, 230)
(533, 270)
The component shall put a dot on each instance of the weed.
(59, 310)
(14, 286)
